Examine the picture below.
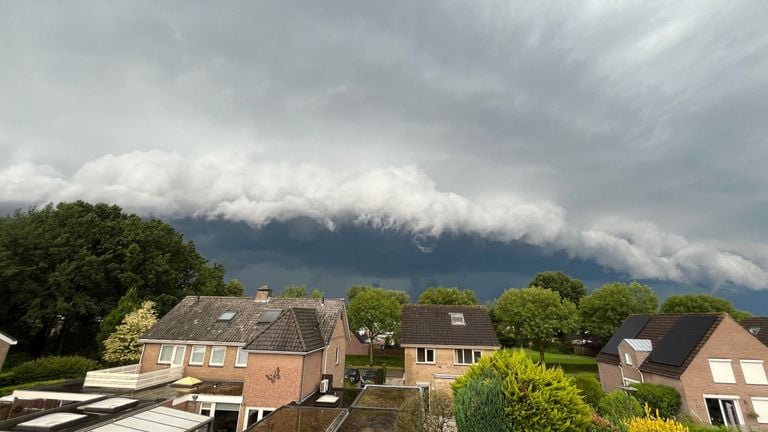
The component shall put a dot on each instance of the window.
(242, 358)
(628, 358)
(722, 372)
(754, 372)
(226, 316)
(723, 410)
(760, 407)
(457, 318)
(337, 354)
(425, 355)
(217, 356)
(198, 355)
(466, 356)
(254, 415)
(171, 354)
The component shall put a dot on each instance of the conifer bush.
(661, 398)
(590, 388)
(533, 397)
(618, 407)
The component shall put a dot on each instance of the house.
(252, 354)
(441, 342)
(758, 327)
(5, 344)
(715, 364)
(357, 344)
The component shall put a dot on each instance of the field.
(391, 362)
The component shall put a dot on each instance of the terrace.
(128, 377)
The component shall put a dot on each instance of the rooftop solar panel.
(630, 328)
(681, 339)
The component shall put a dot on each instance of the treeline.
(65, 268)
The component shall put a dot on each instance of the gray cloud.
(642, 119)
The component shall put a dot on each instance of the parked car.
(369, 377)
(352, 375)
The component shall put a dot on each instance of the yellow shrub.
(651, 423)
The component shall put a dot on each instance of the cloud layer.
(242, 188)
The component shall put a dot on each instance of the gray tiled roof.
(431, 325)
(195, 318)
(295, 330)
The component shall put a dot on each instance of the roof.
(431, 325)
(195, 318)
(675, 339)
(295, 330)
(7, 339)
(642, 345)
(759, 323)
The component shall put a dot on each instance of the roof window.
(269, 315)
(226, 316)
(457, 318)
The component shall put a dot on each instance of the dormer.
(633, 352)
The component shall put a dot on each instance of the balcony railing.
(128, 377)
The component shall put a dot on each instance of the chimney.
(263, 293)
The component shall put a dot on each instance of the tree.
(63, 267)
(128, 303)
(294, 291)
(448, 296)
(535, 316)
(377, 311)
(317, 294)
(569, 289)
(603, 311)
(700, 303)
(436, 416)
(123, 345)
(533, 397)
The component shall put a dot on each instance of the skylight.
(226, 316)
(457, 318)
(269, 315)
(52, 421)
(110, 405)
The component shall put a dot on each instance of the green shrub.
(694, 425)
(16, 358)
(47, 368)
(617, 407)
(661, 398)
(600, 424)
(478, 405)
(590, 388)
(534, 398)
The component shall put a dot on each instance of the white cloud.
(241, 187)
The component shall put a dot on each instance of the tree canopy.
(700, 303)
(123, 345)
(377, 310)
(603, 311)
(64, 267)
(569, 289)
(448, 296)
(298, 291)
(535, 315)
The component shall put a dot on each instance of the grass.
(391, 362)
(571, 363)
(4, 391)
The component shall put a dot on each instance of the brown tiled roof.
(757, 322)
(195, 318)
(431, 325)
(295, 330)
(657, 329)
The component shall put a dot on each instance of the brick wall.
(4, 347)
(444, 364)
(313, 369)
(610, 376)
(259, 391)
(339, 340)
(228, 372)
(728, 341)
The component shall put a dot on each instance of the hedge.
(661, 398)
(46, 369)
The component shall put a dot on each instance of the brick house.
(758, 327)
(715, 364)
(5, 344)
(441, 342)
(267, 351)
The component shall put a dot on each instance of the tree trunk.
(370, 352)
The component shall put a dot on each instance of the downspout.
(623, 383)
(642, 378)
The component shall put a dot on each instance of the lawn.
(571, 363)
(391, 362)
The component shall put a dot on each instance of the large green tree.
(603, 311)
(377, 311)
(64, 267)
(569, 289)
(700, 303)
(448, 296)
(534, 316)
(299, 291)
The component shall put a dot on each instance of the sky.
(407, 143)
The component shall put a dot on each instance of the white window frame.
(628, 359)
(760, 419)
(174, 349)
(728, 380)
(474, 354)
(761, 380)
(223, 357)
(457, 318)
(261, 410)
(426, 357)
(338, 352)
(196, 348)
(721, 398)
(241, 351)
